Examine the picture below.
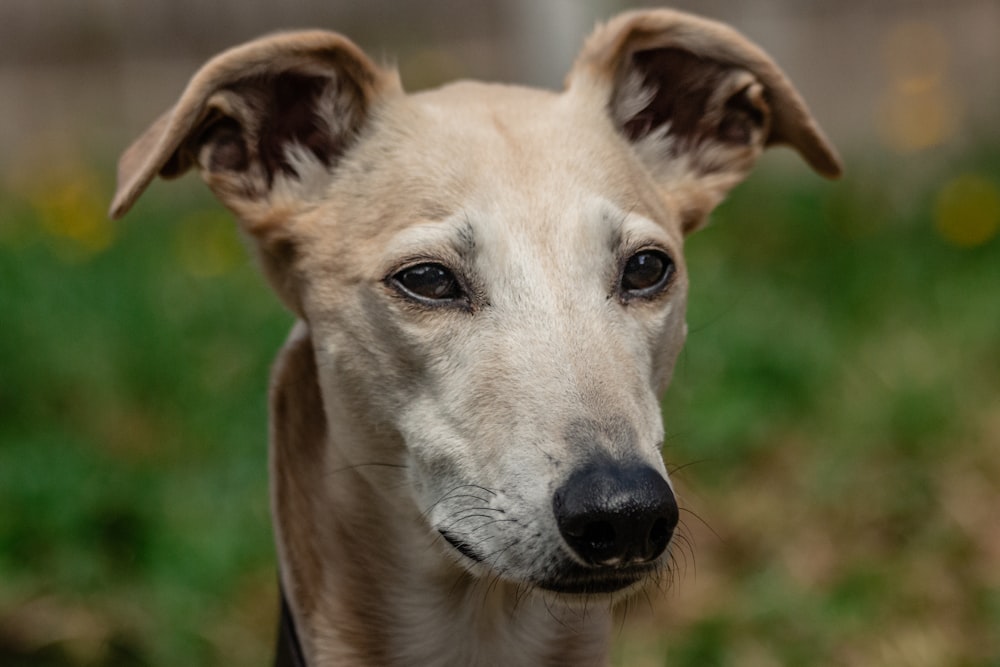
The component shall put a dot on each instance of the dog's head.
(493, 276)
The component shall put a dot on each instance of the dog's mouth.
(576, 580)
(571, 578)
(462, 547)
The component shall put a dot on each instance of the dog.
(490, 295)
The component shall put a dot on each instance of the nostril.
(597, 537)
(659, 536)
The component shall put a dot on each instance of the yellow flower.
(71, 209)
(967, 210)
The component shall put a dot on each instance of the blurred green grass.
(834, 419)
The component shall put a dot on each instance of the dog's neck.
(365, 582)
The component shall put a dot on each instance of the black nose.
(615, 515)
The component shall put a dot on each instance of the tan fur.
(394, 422)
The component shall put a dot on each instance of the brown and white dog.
(490, 291)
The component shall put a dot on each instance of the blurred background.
(834, 423)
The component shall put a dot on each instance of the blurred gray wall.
(79, 77)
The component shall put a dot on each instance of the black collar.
(289, 650)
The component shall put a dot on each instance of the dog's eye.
(429, 282)
(646, 273)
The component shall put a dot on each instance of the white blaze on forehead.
(573, 230)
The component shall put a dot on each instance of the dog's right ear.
(274, 108)
(265, 123)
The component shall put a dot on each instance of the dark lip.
(461, 546)
(571, 579)
(596, 582)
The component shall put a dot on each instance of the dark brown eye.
(429, 282)
(646, 273)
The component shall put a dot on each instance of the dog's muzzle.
(615, 522)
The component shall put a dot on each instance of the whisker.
(649, 600)
(453, 493)
(703, 522)
(675, 468)
(452, 522)
(490, 523)
(555, 618)
(623, 614)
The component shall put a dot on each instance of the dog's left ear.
(697, 101)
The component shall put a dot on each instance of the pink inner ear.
(679, 86)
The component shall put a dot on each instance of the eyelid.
(413, 260)
(631, 249)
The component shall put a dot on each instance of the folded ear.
(265, 123)
(275, 107)
(697, 101)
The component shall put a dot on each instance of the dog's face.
(492, 276)
(517, 307)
